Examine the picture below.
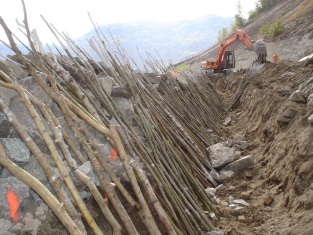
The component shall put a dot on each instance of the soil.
(279, 187)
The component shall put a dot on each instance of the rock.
(268, 201)
(220, 155)
(7, 95)
(233, 206)
(289, 74)
(227, 121)
(241, 202)
(310, 119)
(245, 195)
(239, 141)
(286, 91)
(216, 233)
(226, 175)
(306, 86)
(215, 175)
(121, 91)
(310, 101)
(249, 173)
(18, 187)
(224, 203)
(20, 228)
(298, 96)
(210, 191)
(220, 188)
(5, 225)
(237, 155)
(41, 211)
(241, 218)
(229, 143)
(16, 150)
(31, 223)
(240, 164)
(230, 200)
(232, 188)
(106, 83)
(182, 81)
(241, 144)
(34, 168)
(5, 126)
(125, 106)
(213, 216)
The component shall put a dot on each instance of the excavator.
(226, 59)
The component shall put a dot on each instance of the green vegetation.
(239, 20)
(261, 6)
(272, 29)
(182, 67)
(222, 34)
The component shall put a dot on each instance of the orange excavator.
(226, 59)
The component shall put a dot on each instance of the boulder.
(220, 155)
(18, 187)
(126, 108)
(16, 150)
(298, 97)
(240, 164)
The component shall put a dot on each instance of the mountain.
(173, 41)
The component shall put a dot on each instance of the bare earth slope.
(279, 188)
(281, 140)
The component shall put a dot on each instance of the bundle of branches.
(162, 148)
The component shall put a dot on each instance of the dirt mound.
(275, 123)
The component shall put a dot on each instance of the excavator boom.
(225, 59)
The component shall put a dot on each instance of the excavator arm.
(238, 35)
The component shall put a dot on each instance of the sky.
(71, 15)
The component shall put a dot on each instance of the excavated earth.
(279, 187)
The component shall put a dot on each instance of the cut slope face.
(273, 113)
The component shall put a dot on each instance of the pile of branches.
(163, 149)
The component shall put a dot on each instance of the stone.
(220, 188)
(210, 191)
(241, 202)
(227, 121)
(237, 155)
(16, 150)
(286, 91)
(34, 168)
(230, 200)
(249, 173)
(245, 195)
(233, 206)
(310, 101)
(126, 108)
(5, 126)
(298, 97)
(215, 175)
(41, 211)
(220, 155)
(306, 86)
(121, 91)
(226, 175)
(18, 187)
(224, 203)
(213, 216)
(241, 218)
(106, 83)
(310, 119)
(31, 223)
(216, 233)
(20, 228)
(232, 188)
(240, 164)
(5, 225)
(268, 201)
(241, 144)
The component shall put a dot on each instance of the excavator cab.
(229, 58)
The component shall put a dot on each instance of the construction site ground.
(279, 188)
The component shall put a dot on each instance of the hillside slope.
(292, 45)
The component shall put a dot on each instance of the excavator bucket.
(260, 49)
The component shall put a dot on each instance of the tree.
(222, 34)
(239, 20)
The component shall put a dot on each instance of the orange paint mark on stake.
(113, 154)
(13, 204)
